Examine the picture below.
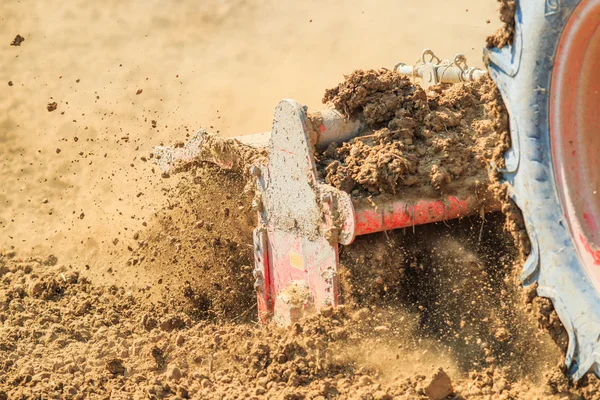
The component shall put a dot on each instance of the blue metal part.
(522, 72)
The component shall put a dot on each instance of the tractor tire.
(526, 73)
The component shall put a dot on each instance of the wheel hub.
(575, 131)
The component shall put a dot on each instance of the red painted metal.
(395, 213)
(296, 258)
(575, 130)
(263, 275)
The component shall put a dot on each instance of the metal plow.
(301, 219)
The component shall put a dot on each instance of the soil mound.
(440, 140)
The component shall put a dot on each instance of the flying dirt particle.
(75, 138)
(487, 21)
(139, 91)
(58, 151)
(17, 40)
(153, 123)
(51, 106)
(139, 194)
(45, 201)
(440, 386)
(81, 216)
(10, 83)
(77, 80)
(115, 241)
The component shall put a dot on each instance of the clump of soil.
(51, 106)
(504, 36)
(17, 40)
(440, 140)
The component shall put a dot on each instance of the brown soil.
(440, 140)
(65, 337)
(413, 307)
(504, 35)
(150, 292)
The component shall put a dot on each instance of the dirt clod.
(440, 386)
(115, 366)
(17, 40)
(504, 35)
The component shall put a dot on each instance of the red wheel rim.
(575, 131)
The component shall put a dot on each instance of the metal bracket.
(431, 70)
